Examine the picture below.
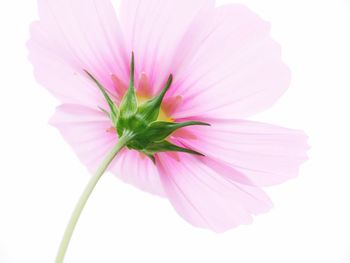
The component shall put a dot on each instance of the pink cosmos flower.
(225, 67)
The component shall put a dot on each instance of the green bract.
(140, 122)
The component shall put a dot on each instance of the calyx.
(140, 122)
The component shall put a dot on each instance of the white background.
(41, 178)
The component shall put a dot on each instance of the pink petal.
(153, 29)
(235, 69)
(206, 197)
(266, 154)
(138, 170)
(62, 80)
(73, 35)
(89, 133)
(86, 130)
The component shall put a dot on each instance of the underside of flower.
(141, 122)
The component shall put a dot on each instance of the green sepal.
(165, 146)
(128, 106)
(160, 130)
(114, 110)
(149, 110)
(151, 156)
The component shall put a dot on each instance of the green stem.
(85, 196)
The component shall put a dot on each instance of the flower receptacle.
(146, 133)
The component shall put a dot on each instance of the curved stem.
(84, 197)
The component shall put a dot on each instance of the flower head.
(197, 70)
(139, 121)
